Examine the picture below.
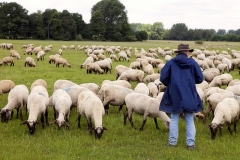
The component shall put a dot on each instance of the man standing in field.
(180, 75)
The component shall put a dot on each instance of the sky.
(196, 14)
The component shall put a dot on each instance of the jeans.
(190, 128)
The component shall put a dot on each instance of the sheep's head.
(31, 125)
(61, 123)
(98, 131)
(214, 128)
(5, 114)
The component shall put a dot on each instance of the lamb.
(146, 106)
(6, 86)
(88, 60)
(151, 77)
(40, 55)
(61, 103)
(30, 62)
(226, 111)
(153, 90)
(37, 104)
(62, 61)
(39, 82)
(7, 60)
(52, 58)
(228, 62)
(17, 99)
(90, 106)
(132, 75)
(141, 88)
(37, 49)
(14, 53)
(113, 56)
(94, 67)
(223, 79)
(113, 95)
(119, 69)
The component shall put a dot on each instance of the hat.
(183, 47)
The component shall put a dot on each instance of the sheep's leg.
(89, 125)
(17, 111)
(46, 117)
(130, 118)
(235, 126)
(42, 121)
(125, 117)
(156, 124)
(120, 108)
(229, 128)
(11, 115)
(20, 112)
(143, 123)
(106, 107)
(79, 117)
(55, 114)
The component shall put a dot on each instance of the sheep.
(123, 55)
(40, 55)
(119, 69)
(161, 87)
(153, 90)
(30, 62)
(62, 83)
(226, 111)
(235, 89)
(167, 58)
(24, 46)
(7, 60)
(203, 64)
(62, 61)
(148, 69)
(52, 58)
(210, 73)
(113, 56)
(91, 86)
(90, 106)
(72, 47)
(101, 56)
(223, 67)
(151, 77)
(47, 49)
(113, 95)
(6, 86)
(17, 99)
(37, 104)
(228, 62)
(233, 82)
(223, 79)
(61, 103)
(235, 62)
(60, 51)
(144, 105)
(37, 49)
(28, 51)
(94, 67)
(141, 88)
(123, 83)
(135, 65)
(160, 67)
(105, 65)
(39, 82)
(88, 60)
(132, 75)
(63, 47)
(14, 53)
(204, 85)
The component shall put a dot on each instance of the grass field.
(119, 142)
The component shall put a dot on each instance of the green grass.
(119, 142)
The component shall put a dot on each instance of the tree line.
(109, 22)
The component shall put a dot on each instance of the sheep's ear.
(7, 110)
(53, 122)
(220, 126)
(39, 123)
(24, 122)
(104, 128)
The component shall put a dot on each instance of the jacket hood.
(183, 61)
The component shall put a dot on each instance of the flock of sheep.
(92, 101)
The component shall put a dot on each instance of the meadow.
(119, 142)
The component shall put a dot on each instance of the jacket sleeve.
(165, 73)
(198, 74)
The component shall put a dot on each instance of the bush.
(199, 42)
(79, 37)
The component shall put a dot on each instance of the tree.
(14, 21)
(36, 25)
(68, 25)
(47, 22)
(56, 26)
(221, 32)
(98, 25)
(79, 23)
(135, 26)
(179, 31)
(157, 31)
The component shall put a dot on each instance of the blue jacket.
(180, 75)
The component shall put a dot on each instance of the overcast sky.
(199, 14)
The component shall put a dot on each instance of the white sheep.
(61, 103)
(151, 77)
(210, 73)
(132, 75)
(135, 65)
(204, 85)
(220, 80)
(113, 95)
(153, 90)
(17, 99)
(228, 62)
(144, 105)
(7, 60)
(141, 88)
(223, 67)
(40, 55)
(105, 65)
(52, 58)
(88, 60)
(37, 104)
(119, 69)
(6, 86)
(113, 56)
(14, 53)
(123, 83)
(123, 55)
(235, 89)
(227, 111)
(94, 67)
(90, 106)
(148, 69)
(37, 49)
(91, 86)
(30, 62)
(28, 51)
(39, 82)
(60, 51)
(62, 61)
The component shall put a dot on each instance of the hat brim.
(190, 50)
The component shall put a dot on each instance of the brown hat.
(183, 47)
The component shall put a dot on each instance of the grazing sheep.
(17, 98)
(7, 60)
(90, 106)
(37, 104)
(113, 95)
(52, 58)
(91, 86)
(210, 73)
(40, 55)
(113, 56)
(62, 61)
(132, 75)
(226, 111)
(220, 80)
(88, 60)
(144, 105)
(105, 65)
(72, 47)
(153, 90)
(233, 82)
(61, 103)
(135, 65)
(94, 67)
(151, 77)
(148, 69)
(160, 67)
(37, 49)
(6, 86)
(60, 51)
(119, 69)
(62, 83)
(39, 82)
(235, 89)
(228, 62)
(161, 87)
(117, 82)
(204, 85)
(123, 55)
(141, 88)
(28, 51)
(30, 62)
(223, 67)
(14, 53)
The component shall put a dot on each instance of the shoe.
(172, 145)
(191, 147)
